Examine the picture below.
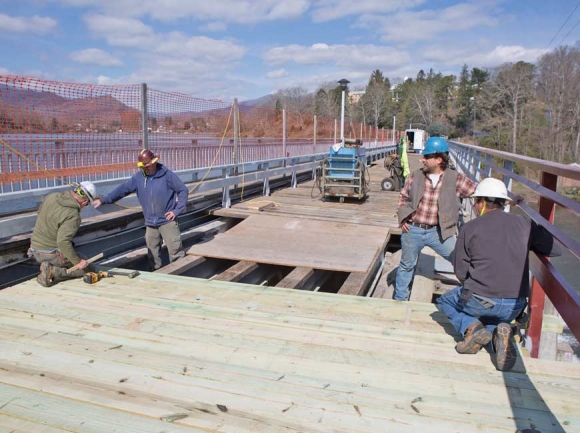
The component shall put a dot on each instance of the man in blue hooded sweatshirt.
(163, 197)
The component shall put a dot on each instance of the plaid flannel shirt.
(428, 208)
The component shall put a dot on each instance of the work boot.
(476, 336)
(46, 276)
(505, 349)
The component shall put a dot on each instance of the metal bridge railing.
(198, 180)
(480, 162)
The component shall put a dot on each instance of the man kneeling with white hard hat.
(491, 262)
(58, 220)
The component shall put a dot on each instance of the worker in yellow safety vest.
(402, 152)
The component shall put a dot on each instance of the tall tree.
(376, 77)
(509, 90)
(559, 88)
(377, 98)
(298, 102)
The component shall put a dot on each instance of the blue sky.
(223, 49)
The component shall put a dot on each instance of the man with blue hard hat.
(428, 211)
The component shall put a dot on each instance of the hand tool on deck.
(93, 277)
(89, 261)
(130, 274)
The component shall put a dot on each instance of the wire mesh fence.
(53, 133)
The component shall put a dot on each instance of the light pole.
(474, 106)
(343, 85)
(394, 125)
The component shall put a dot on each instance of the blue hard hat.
(435, 145)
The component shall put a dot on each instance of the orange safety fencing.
(53, 133)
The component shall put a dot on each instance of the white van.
(416, 139)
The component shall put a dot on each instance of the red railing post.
(547, 209)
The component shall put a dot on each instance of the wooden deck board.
(304, 202)
(130, 352)
(297, 242)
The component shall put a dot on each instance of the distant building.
(354, 97)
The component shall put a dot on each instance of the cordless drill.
(93, 277)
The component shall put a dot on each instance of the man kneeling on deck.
(58, 220)
(491, 262)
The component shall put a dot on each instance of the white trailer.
(416, 139)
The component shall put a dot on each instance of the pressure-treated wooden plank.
(296, 278)
(272, 350)
(77, 416)
(181, 265)
(396, 352)
(298, 243)
(259, 204)
(237, 271)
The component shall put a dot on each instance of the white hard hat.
(491, 188)
(89, 190)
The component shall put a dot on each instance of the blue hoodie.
(157, 194)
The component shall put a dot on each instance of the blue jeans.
(489, 311)
(412, 243)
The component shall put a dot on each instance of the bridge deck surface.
(304, 201)
(178, 354)
(167, 353)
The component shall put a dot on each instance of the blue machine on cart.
(344, 172)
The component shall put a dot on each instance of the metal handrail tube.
(546, 279)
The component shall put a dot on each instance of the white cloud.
(505, 54)
(4, 71)
(347, 56)
(406, 27)
(198, 47)
(126, 32)
(478, 56)
(96, 57)
(327, 10)
(229, 11)
(215, 26)
(130, 32)
(278, 73)
(35, 24)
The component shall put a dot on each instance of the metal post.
(509, 166)
(236, 156)
(474, 118)
(335, 121)
(547, 209)
(342, 118)
(284, 133)
(474, 107)
(315, 133)
(144, 118)
(394, 127)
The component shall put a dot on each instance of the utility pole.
(474, 117)
(343, 85)
(144, 117)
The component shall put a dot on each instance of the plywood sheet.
(298, 242)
